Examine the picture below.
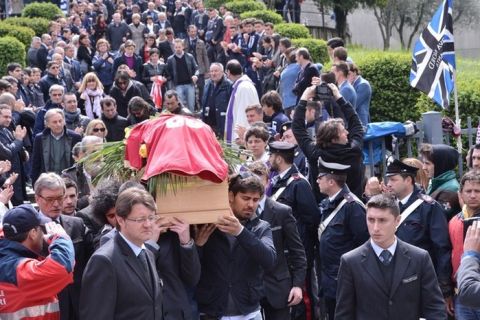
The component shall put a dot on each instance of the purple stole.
(229, 120)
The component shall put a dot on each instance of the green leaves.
(38, 25)
(242, 6)
(265, 15)
(23, 34)
(11, 50)
(292, 30)
(316, 47)
(48, 11)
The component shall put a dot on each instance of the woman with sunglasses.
(96, 127)
(91, 92)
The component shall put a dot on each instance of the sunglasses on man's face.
(98, 129)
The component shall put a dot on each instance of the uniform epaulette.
(349, 197)
(296, 176)
(426, 198)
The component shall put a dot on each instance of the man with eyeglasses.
(49, 195)
(51, 77)
(121, 280)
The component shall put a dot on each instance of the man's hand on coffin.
(229, 224)
(202, 233)
(160, 226)
(181, 228)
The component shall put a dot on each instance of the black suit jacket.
(114, 285)
(179, 268)
(291, 264)
(165, 50)
(414, 294)
(304, 79)
(69, 297)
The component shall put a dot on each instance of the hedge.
(265, 15)
(23, 34)
(292, 30)
(392, 97)
(11, 50)
(41, 10)
(242, 6)
(468, 102)
(316, 47)
(215, 3)
(38, 25)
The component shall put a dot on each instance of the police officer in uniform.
(293, 189)
(299, 159)
(343, 227)
(423, 223)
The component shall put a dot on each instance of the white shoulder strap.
(280, 191)
(409, 210)
(329, 219)
(358, 200)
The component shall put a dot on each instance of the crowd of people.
(309, 234)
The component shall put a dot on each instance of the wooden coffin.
(198, 201)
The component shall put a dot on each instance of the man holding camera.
(334, 143)
(28, 284)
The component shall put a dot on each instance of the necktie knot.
(385, 257)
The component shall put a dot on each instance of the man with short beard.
(73, 119)
(235, 256)
(30, 283)
(71, 197)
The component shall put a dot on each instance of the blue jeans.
(466, 313)
(186, 94)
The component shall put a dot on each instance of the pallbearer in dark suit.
(121, 281)
(283, 284)
(386, 278)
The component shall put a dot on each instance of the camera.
(323, 93)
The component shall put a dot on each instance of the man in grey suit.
(387, 278)
(120, 280)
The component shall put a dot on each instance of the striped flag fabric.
(433, 62)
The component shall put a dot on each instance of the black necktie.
(385, 257)
(142, 256)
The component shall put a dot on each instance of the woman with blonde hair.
(91, 92)
(103, 64)
(97, 128)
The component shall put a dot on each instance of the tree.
(341, 9)
(412, 15)
(386, 18)
(408, 17)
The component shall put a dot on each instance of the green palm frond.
(112, 156)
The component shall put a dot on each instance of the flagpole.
(457, 119)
